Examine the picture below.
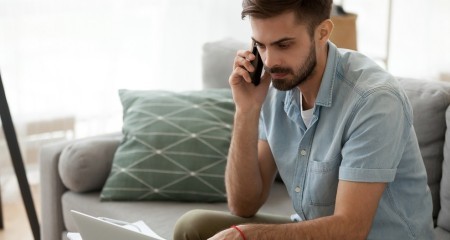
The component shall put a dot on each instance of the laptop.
(93, 228)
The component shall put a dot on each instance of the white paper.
(138, 226)
(141, 227)
(74, 236)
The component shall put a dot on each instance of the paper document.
(74, 236)
(138, 226)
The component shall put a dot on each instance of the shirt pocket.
(322, 182)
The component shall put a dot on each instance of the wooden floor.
(15, 221)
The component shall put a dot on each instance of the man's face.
(287, 49)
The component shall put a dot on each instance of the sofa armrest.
(444, 215)
(85, 165)
(52, 186)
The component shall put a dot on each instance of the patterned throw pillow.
(175, 146)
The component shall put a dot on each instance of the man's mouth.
(278, 75)
(278, 72)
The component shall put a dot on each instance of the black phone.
(258, 64)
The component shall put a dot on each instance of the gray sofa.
(73, 172)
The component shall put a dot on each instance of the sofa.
(74, 172)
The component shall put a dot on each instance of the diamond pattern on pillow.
(175, 146)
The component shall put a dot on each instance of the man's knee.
(203, 224)
(194, 224)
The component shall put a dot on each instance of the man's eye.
(259, 46)
(283, 46)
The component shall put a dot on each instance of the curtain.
(69, 58)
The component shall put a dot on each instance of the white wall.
(69, 57)
(420, 45)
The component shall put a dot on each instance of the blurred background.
(63, 61)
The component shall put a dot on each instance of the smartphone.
(258, 64)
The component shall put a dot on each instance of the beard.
(302, 74)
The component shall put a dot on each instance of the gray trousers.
(203, 224)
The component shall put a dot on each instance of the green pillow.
(175, 146)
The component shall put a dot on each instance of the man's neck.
(310, 87)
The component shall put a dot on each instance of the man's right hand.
(247, 96)
(250, 167)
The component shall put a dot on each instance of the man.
(335, 125)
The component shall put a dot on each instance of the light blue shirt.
(361, 131)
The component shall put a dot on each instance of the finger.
(246, 54)
(244, 58)
(239, 74)
(240, 62)
(245, 74)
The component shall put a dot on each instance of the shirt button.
(297, 189)
(303, 152)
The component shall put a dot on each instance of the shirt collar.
(325, 94)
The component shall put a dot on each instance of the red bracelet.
(240, 231)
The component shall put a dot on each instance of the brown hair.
(309, 12)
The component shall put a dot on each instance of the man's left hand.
(230, 234)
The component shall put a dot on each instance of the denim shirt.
(361, 131)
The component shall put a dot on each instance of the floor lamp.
(16, 158)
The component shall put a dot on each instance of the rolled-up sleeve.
(376, 136)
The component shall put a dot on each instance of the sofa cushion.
(444, 214)
(85, 164)
(217, 61)
(429, 100)
(441, 234)
(159, 215)
(175, 146)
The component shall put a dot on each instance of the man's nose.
(270, 58)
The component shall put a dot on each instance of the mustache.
(277, 70)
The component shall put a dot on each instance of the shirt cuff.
(367, 175)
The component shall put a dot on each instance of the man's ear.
(323, 31)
